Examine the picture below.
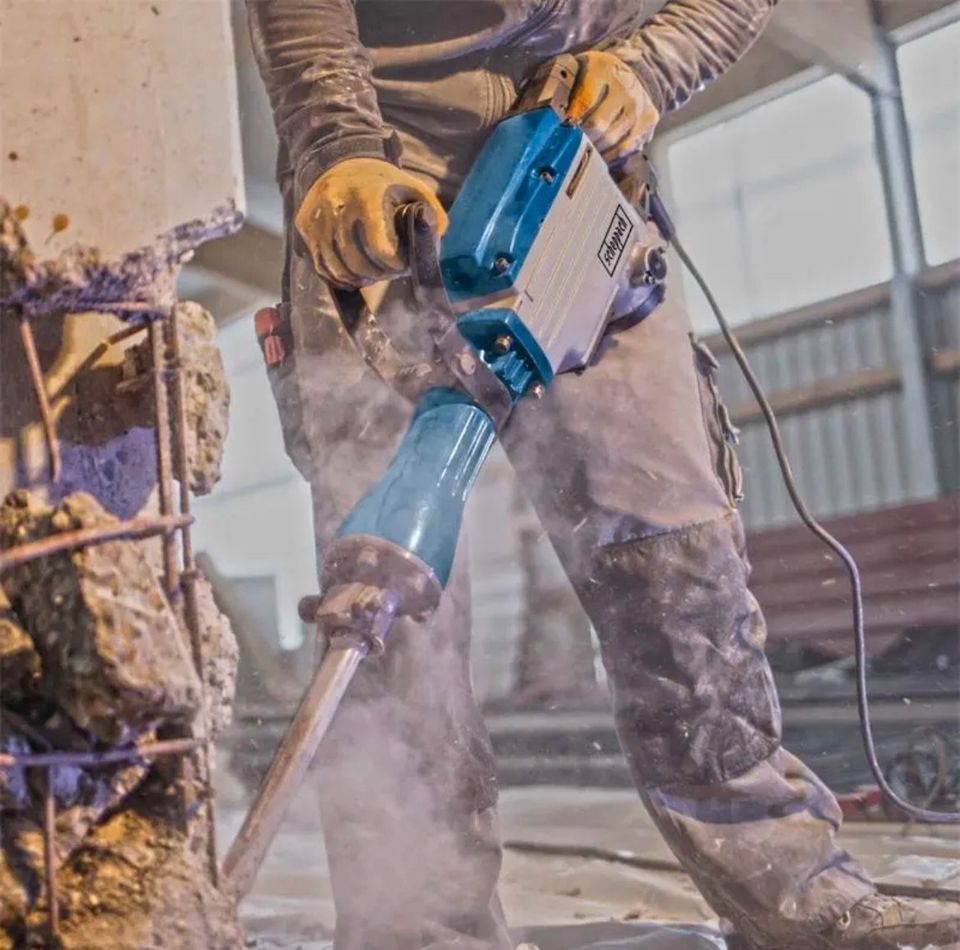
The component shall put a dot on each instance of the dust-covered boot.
(896, 923)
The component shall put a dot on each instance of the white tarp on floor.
(565, 903)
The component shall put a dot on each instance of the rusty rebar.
(49, 853)
(188, 577)
(137, 529)
(140, 750)
(164, 464)
(134, 383)
(42, 396)
(132, 306)
(125, 334)
(98, 351)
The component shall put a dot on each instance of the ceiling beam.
(801, 35)
(252, 257)
(896, 14)
(838, 34)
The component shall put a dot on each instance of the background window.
(930, 78)
(783, 206)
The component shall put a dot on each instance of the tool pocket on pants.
(721, 432)
(274, 331)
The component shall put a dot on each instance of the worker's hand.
(348, 220)
(611, 105)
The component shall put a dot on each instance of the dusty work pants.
(631, 468)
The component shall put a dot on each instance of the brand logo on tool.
(615, 240)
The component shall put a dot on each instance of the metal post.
(909, 261)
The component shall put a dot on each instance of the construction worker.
(630, 466)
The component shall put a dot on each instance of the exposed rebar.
(49, 854)
(136, 529)
(191, 608)
(98, 351)
(133, 753)
(42, 396)
(164, 464)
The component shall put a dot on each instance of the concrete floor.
(291, 905)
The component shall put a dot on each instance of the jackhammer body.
(543, 253)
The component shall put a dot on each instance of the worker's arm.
(346, 192)
(318, 77)
(624, 88)
(690, 43)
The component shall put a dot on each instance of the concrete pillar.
(120, 116)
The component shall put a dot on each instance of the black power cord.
(856, 589)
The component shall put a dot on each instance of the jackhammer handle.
(419, 215)
(418, 229)
(551, 85)
(418, 226)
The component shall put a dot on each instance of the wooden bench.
(909, 561)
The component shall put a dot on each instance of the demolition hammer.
(544, 255)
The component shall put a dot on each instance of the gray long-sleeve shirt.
(343, 75)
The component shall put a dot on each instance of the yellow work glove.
(611, 105)
(348, 220)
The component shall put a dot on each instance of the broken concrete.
(140, 282)
(92, 653)
(167, 902)
(137, 882)
(113, 651)
(16, 258)
(206, 396)
(113, 663)
(107, 439)
(19, 661)
(205, 388)
(221, 658)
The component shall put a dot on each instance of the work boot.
(896, 923)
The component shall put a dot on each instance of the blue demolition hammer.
(543, 254)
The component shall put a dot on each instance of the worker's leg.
(631, 468)
(406, 775)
